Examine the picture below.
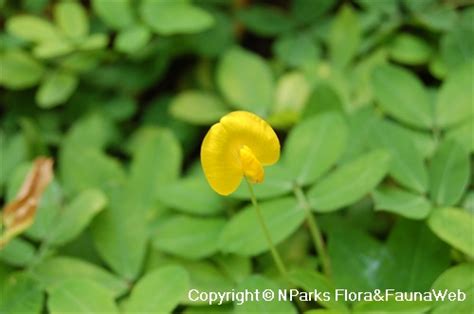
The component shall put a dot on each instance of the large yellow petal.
(220, 150)
(248, 129)
(219, 162)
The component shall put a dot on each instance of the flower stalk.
(314, 231)
(276, 256)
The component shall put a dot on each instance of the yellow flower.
(239, 145)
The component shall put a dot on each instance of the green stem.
(314, 231)
(276, 256)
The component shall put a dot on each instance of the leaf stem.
(276, 256)
(314, 230)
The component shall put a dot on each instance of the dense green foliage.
(373, 104)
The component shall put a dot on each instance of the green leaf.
(264, 20)
(349, 182)
(388, 6)
(71, 17)
(260, 283)
(76, 216)
(205, 276)
(32, 28)
(292, 92)
(189, 237)
(77, 174)
(156, 149)
(323, 98)
(402, 95)
(53, 49)
(243, 234)
(120, 233)
(13, 151)
(355, 272)
(360, 124)
(440, 17)
(94, 42)
(454, 226)
(306, 11)
(53, 271)
(56, 89)
(21, 295)
(449, 173)
(457, 277)
(345, 37)
(314, 146)
(129, 204)
(93, 131)
(19, 70)
(463, 135)
(278, 181)
(17, 252)
(167, 18)
(236, 267)
(409, 49)
(401, 202)
(246, 80)
(198, 107)
(117, 14)
(407, 166)
(312, 281)
(296, 50)
(200, 198)
(455, 102)
(416, 257)
(159, 291)
(457, 45)
(133, 39)
(64, 298)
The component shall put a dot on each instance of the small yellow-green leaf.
(454, 226)
(56, 89)
(32, 28)
(198, 107)
(449, 173)
(117, 14)
(401, 202)
(64, 298)
(72, 18)
(159, 291)
(173, 17)
(19, 70)
(243, 234)
(344, 36)
(52, 271)
(314, 145)
(21, 295)
(349, 182)
(455, 102)
(246, 80)
(402, 95)
(409, 49)
(75, 217)
(133, 39)
(189, 237)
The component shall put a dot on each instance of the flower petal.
(219, 162)
(220, 150)
(246, 128)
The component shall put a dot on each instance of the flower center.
(251, 166)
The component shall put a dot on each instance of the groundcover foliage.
(373, 105)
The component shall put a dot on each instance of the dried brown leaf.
(20, 213)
